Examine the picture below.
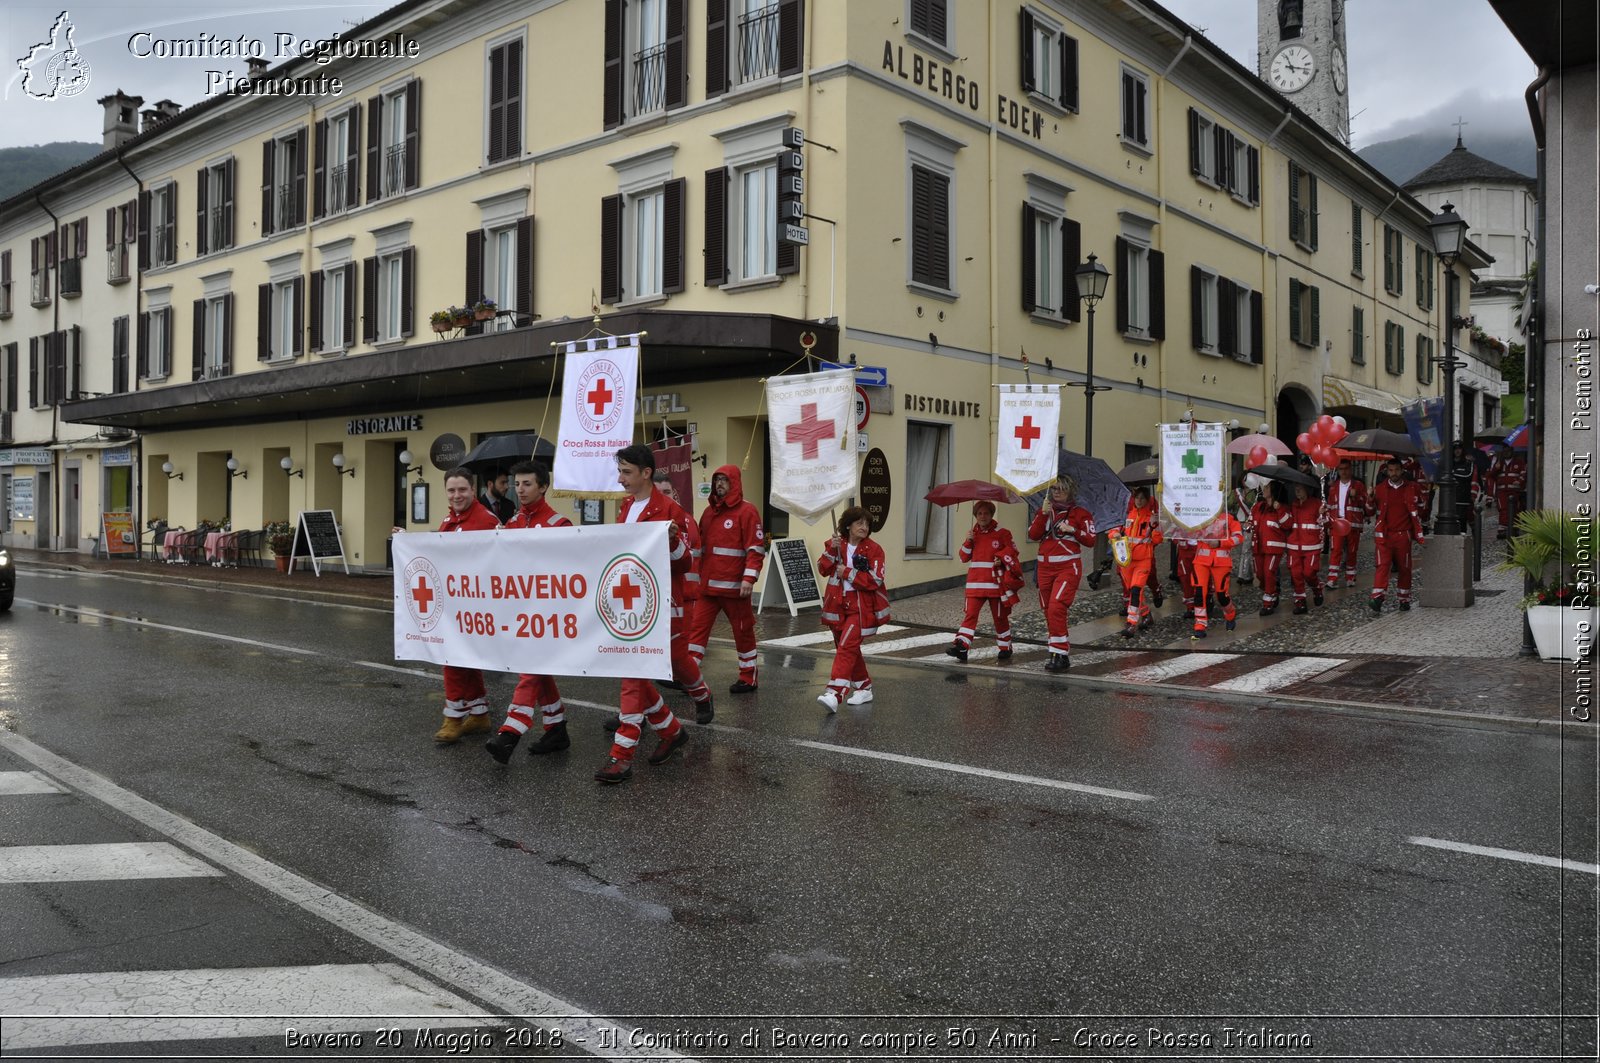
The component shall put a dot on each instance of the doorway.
(72, 477)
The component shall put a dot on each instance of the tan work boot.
(476, 722)
(449, 732)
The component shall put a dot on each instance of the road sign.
(867, 376)
(863, 408)
(794, 234)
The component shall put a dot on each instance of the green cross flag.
(1192, 461)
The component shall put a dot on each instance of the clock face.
(1291, 68)
(1340, 78)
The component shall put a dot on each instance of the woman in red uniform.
(989, 553)
(854, 605)
(1305, 546)
(1213, 569)
(1061, 528)
(466, 701)
(1269, 520)
(1141, 531)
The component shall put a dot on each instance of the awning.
(1339, 392)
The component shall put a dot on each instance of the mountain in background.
(1403, 158)
(22, 168)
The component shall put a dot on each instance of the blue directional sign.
(868, 376)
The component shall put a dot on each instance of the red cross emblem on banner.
(600, 397)
(626, 591)
(1027, 432)
(422, 594)
(809, 431)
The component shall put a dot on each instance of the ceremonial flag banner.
(597, 401)
(560, 601)
(1026, 451)
(1425, 426)
(812, 427)
(677, 461)
(1194, 473)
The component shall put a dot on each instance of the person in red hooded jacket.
(1062, 528)
(535, 693)
(1269, 526)
(1305, 545)
(854, 605)
(1348, 510)
(1141, 534)
(990, 555)
(732, 548)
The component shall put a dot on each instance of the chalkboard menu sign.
(316, 535)
(792, 562)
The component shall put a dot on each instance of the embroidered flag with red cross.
(1026, 447)
(598, 397)
(811, 426)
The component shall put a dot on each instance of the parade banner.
(1425, 426)
(812, 429)
(677, 461)
(1194, 473)
(592, 601)
(597, 399)
(1026, 448)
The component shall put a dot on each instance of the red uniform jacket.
(476, 518)
(732, 544)
(538, 515)
(854, 594)
(1396, 509)
(1271, 527)
(660, 507)
(1510, 475)
(1305, 525)
(1217, 540)
(1357, 502)
(981, 552)
(1061, 533)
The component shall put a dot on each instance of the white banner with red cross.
(598, 392)
(1026, 452)
(811, 424)
(1194, 472)
(593, 600)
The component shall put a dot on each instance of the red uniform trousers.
(1213, 576)
(1136, 587)
(1303, 570)
(1343, 546)
(1396, 551)
(464, 692)
(849, 665)
(999, 609)
(1186, 577)
(1508, 502)
(1058, 586)
(641, 702)
(1267, 562)
(703, 617)
(534, 693)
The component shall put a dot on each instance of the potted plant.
(461, 316)
(280, 536)
(484, 309)
(442, 320)
(1550, 548)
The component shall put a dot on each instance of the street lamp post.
(1449, 230)
(1092, 280)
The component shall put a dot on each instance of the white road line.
(170, 627)
(963, 769)
(113, 1007)
(1279, 675)
(812, 638)
(1507, 854)
(1159, 670)
(98, 863)
(911, 642)
(17, 783)
(503, 992)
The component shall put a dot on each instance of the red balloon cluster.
(1321, 438)
(1257, 456)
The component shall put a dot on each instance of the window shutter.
(1253, 160)
(11, 378)
(227, 203)
(791, 36)
(1026, 23)
(119, 354)
(369, 300)
(227, 334)
(716, 48)
(474, 275)
(170, 222)
(497, 103)
(1258, 350)
(83, 236)
(300, 177)
(36, 370)
(1294, 203)
(1311, 181)
(318, 282)
(1222, 150)
(673, 235)
(612, 101)
(1120, 279)
(939, 229)
(677, 87)
(298, 293)
(1158, 295)
(1227, 317)
(1355, 238)
(1194, 141)
(374, 149)
(716, 249)
(1399, 350)
(141, 347)
(513, 100)
(1071, 254)
(1358, 339)
(200, 214)
(1422, 359)
(408, 291)
(1129, 127)
(1197, 331)
(1399, 263)
(413, 132)
(319, 168)
(1030, 250)
(198, 348)
(1421, 283)
(1316, 314)
(1294, 310)
(1069, 72)
(352, 161)
(75, 364)
(347, 277)
(611, 249)
(524, 289)
(268, 158)
(263, 322)
(921, 238)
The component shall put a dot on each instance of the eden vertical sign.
(791, 188)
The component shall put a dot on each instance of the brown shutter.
(111, 228)
(348, 279)
(497, 102)
(513, 100)
(374, 149)
(1227, 317)
(1025, 25)
(1253, 161)
(1222, 148)
(300, 177)
(318, 282)
(141, 345)
(298, 294)
(474, 275)
(1313, 183)
(524, 288)
(939, 230)
(227, 203)
(369, 299)
(263, 322)
(677, 87)
(674, 235)
(269, 151)
(1197, 332)
(408, 290)
(413, 133)
(227, 334)
(352, 161)
(144, 230)
(1294, 310)
(611, 105)
(319, 169)
(791, 36)
(83, 237)
(1294, 203)
(1069, 72)
(1194, 141)
(1071, 255)
(716, 48)
(199, 346)
(611, 248)
(716, 250)
(1121, 281)
(35, 372)
(1030, 250)
(200, 214)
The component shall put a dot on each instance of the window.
(394, 141)
(1140, 280)
(930, 20)
(642, 230)
(500, 266)
(1358, 336)
(1244, 176)
(1204, 310)
(1305, 314)
(214, 208)
(333, 309)
(213, 337)
(645, 69)
(1051, 245)
(1302, 207)
(1241, 322)
(388, 297)
(1355, 240)
(5, 284)
(1394, 348)
(1426, 278)
(505, 101)
(281, 320)
(1393, 259)
(53, 360)
(743, 201)
(927, 466)
(122, 226)
(1049, 61)
(1135, 108)
(1202, 147)
(1425, 359)
(155, 344)
(44, 261)
(336, 168)
(10, 367)
(73, 245)
(930, 228)
(1218, 157)
(747, 41)
(283, 182)
(119, 355)
(645, 214)
(158, 226)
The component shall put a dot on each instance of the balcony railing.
(216, 231)
(40, 288)
(394, 170)
(758, 43)
(71, 277)
(650, 80)
(285, 207)
(336, 188)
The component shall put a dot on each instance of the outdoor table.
(221, 546)
(170, 544)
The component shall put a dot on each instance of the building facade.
(285, 254)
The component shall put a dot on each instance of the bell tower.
(1300, 52)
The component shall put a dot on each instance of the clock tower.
(1300, 52)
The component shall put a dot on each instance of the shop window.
(927, 466)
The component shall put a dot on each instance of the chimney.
(257, 67)
(168, 109)
(149, 118)
(122, 119)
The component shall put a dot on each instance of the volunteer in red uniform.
(641, 701)
(1305, 546)
(466, 701)
(1213, 570)
(989, 554)
(535, 693)
(1269, 522)
(1141, 531)
(732, 547)
(854, 605)
(1187, 543)
(1412, 467)
(1349, 506)
(1510, 473)
(1062, 528)
(1397, 526)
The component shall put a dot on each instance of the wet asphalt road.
(1202, 859)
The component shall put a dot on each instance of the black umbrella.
(1143, 471)
(500, 452)
(1287, 475)
(1099, 490)
(1379, 439)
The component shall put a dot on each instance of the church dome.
(1460, 166)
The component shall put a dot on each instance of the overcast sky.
(1398, 81)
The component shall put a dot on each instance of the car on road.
(8, 580)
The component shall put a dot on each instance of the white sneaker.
(828, 700)
(860, 697)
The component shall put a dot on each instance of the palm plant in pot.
(1555, 551)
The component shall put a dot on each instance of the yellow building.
(285, 252)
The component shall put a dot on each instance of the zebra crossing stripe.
(911, 642)
(20, 783)
(1160, 670)
(98, 863)
(1278, 675)
(813, 638)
